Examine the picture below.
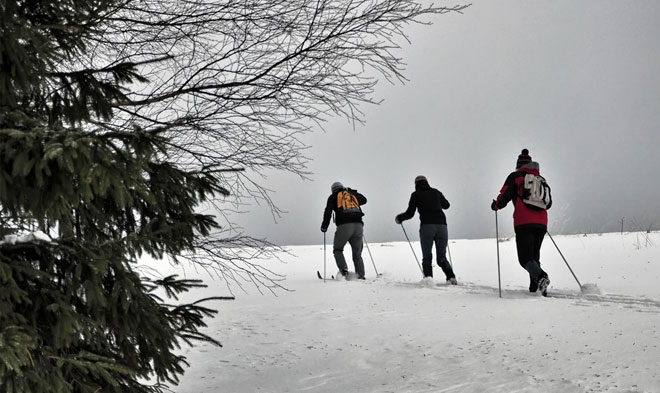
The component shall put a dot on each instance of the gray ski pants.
(430, 234)
(351, 233)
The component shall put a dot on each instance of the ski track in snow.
(401, 362)
(399, 334)
(642, 304)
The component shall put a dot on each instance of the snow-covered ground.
(395, 334)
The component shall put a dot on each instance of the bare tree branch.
(236, 83)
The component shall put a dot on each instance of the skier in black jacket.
(345, 203)
(433, 226)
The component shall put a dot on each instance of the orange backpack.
(347, 203)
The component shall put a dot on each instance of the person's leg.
(539, 234)
(441, 238)
(533, 284)
(535, 271)
(342, 235)
(525, 242)
(426, 235)
(524, 246)
(356, 241)
(529, 242)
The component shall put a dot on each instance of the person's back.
(430, 203)
(345, 203)
(523, 214)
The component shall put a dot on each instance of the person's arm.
(443, 201)
(410, 212)
(327, 213)
(507, 193)
(362, 200)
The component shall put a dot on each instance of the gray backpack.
(536, 192)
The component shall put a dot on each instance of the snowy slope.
(394, 334)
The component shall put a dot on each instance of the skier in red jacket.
(530, 224)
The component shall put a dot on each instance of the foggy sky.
(575, 82)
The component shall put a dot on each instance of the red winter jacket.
(511, 190)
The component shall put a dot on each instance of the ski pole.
(497, 241)
(324, 257)
(412, 249)
(449, 254)
(370, 256)
(562, 256)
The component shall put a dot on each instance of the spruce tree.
(75, 316)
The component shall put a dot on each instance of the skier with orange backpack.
(345, 203)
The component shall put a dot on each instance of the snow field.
(395, 334)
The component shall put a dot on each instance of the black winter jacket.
(341, 218)
(429, 202)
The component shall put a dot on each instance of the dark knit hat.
(523, 158)
(336, 186)
(420, 178)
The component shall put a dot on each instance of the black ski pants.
(528, 243)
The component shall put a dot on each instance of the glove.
(493, 205)
(397, 219)
(324, 229)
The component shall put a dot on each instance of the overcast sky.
(575, 82)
